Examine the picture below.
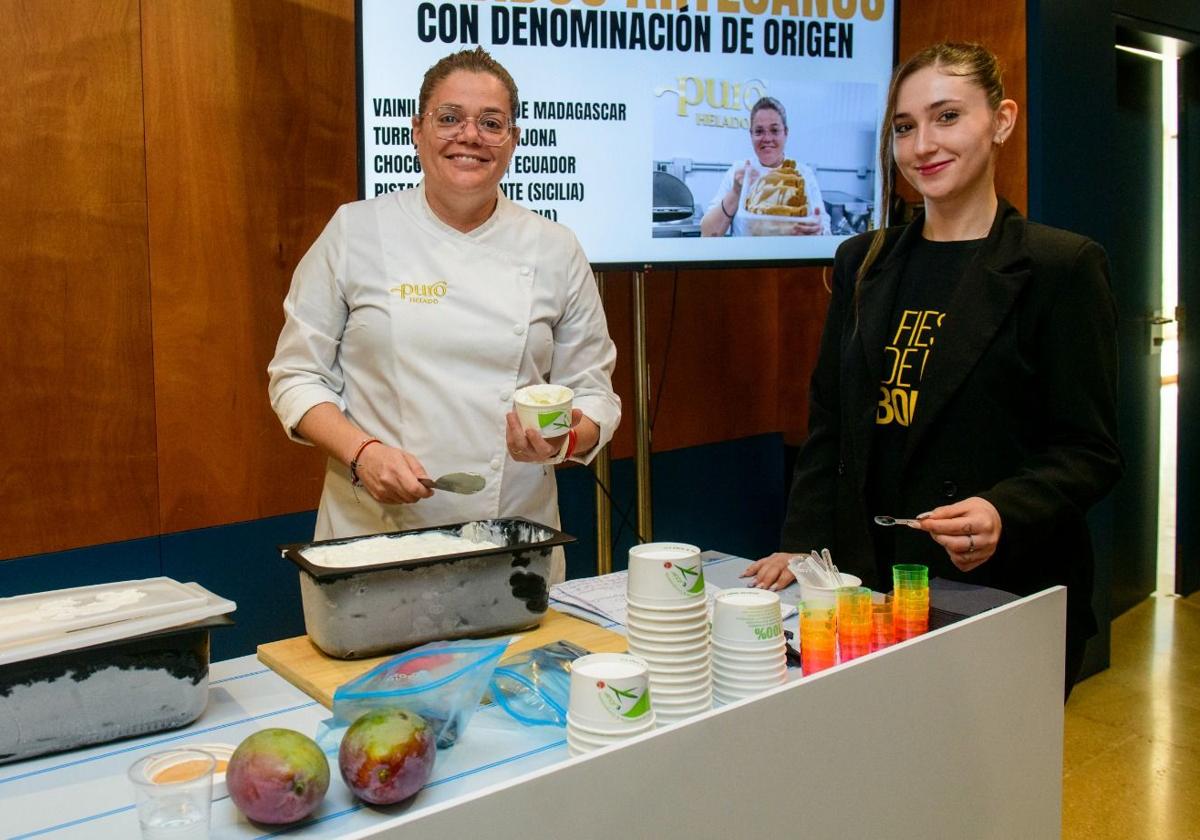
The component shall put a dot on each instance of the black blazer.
(1018, 406)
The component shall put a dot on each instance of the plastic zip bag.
(440, 681)
(535, 687)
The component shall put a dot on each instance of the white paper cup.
(747, 617)
(747, 652)
(826, 595)
(743, 671)
(668, 609)
(680, 633)
(594, 731)
(673, 666)
(544, 408)
(693, 637)
(609, 690)
(676, 681)
(694, 613)
(669, 652)
(726, 684)
(665, 573)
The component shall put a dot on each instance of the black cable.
(662, 376)
(624, 513)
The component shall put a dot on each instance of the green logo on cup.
(624, 702)
(687, 579)
(553, 421)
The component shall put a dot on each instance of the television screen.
(638, 123)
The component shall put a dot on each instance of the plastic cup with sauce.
(174, 794)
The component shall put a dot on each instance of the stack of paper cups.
(609, 701)
(853, 622)
(747, 644)
(910, 600)
(667, 626)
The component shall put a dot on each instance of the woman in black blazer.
(967, 370)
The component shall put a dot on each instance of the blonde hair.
(974, 62)
(477, 60)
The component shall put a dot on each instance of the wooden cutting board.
(299, 661)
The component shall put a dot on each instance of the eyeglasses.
(773, 131)
(493, 128)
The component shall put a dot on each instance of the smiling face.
(945, 134)
(463, 170)
(768, 133)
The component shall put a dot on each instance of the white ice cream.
(67, 609)
(544, 395)
(378, 550)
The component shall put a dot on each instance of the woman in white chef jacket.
(768, 135)
(415, 316)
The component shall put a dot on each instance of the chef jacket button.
(495, 463)
(841, 468)
(505, 395)
(518, 329)
(949, 489)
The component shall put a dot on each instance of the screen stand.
(602, 468)
(641, 409)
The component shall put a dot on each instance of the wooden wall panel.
(1000, 27)
(736, 363)
(250, 133)
(77, 412)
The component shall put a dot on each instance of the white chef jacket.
(420, 333)
(812, 191)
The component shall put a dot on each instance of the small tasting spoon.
(889, 521)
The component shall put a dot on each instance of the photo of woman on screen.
(781, 197)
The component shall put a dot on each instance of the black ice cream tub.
(352, 612)
(102, 692)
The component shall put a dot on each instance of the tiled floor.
(1131, 766)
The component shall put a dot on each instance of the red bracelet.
(355, 481)
(572, 440)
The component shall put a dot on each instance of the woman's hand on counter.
(390, 475)
(969, 531)
(771, 572)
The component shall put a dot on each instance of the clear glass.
(492, 127)
(178, 806)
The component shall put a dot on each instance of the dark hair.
(971, 61)
(769, 103)
(477, 60)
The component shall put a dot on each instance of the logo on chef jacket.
(421, 292)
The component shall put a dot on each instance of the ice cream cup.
(747, 617)
(674, 666)
(665, 574)
(669, 652)
(673, 682)
(738, 648)
(594, 731)
(667, 619)
(544, 408)
(762, 669)
(668, 610)
(726, 686)
(609, 690)
(691, 623)
(693, 635)
(826, 595)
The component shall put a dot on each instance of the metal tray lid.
(515, 534)
(70, 619)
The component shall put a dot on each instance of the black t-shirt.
(931, 273)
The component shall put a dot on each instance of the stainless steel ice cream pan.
(353, 612)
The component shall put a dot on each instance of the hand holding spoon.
(889, 521)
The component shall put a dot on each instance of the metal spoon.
(456, 482)
(889, 521)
